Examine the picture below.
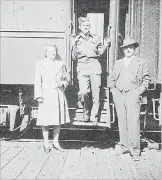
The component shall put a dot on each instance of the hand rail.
(113, 107)
(154, 109)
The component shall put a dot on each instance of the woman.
(51, 80)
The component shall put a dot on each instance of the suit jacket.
(140, 70)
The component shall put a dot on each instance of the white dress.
(54, 109)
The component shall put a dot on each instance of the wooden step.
(80, 132)
(89, 123)
(79, 115)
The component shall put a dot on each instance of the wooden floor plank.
(52, 168)
(26, 160)
(105, 170)
(151, 164)
(70, 168)
(155, 154)
(133, 167)
(3, 149)
(143, 169)
(18, 164)
(23, 143)
(153, 158)
(7, 157)
(88, 164)
(120, 166)
(137, 169)
(35, 165)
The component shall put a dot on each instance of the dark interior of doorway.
(82, 7)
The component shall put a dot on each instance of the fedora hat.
(129, 41)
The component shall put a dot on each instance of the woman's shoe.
(46, 149)
(135, 158)
(56, 146)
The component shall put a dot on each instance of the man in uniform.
(86, 49)
(129, 79)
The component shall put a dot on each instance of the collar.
(84, 37)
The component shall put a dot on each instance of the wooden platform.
(27, 160)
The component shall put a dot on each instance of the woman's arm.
(65, 80)
(38, 92)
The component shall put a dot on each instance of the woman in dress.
(51, 80)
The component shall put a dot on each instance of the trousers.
(89, 78)
(127, 106)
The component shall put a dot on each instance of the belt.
(86, 57)
(87, 60)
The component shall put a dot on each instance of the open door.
(98, 13)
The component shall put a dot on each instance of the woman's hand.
(61, 85)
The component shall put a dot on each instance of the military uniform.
(86, 51)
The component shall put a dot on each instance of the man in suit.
(86, 49)
(128, 80)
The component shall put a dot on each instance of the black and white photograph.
(80, 89)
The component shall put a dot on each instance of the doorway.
(98, 13)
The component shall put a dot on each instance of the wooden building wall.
(26, 28)
(144, 20)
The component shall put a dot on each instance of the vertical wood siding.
(26, 28)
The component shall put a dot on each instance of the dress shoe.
(94, 120)
(135, 158)
(85, 115)
(46, 149)
(121, 150)
(95, 123)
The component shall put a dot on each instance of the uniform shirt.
(86, 49)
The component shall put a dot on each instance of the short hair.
(82, 19)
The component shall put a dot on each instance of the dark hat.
(129, 41)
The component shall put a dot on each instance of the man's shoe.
(95, 123)
(94, 119)
(121, 150)
(135, 158)
(85, 115)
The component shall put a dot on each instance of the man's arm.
(145, 77)
(107, 43)
(112, 78)
(38, 93)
